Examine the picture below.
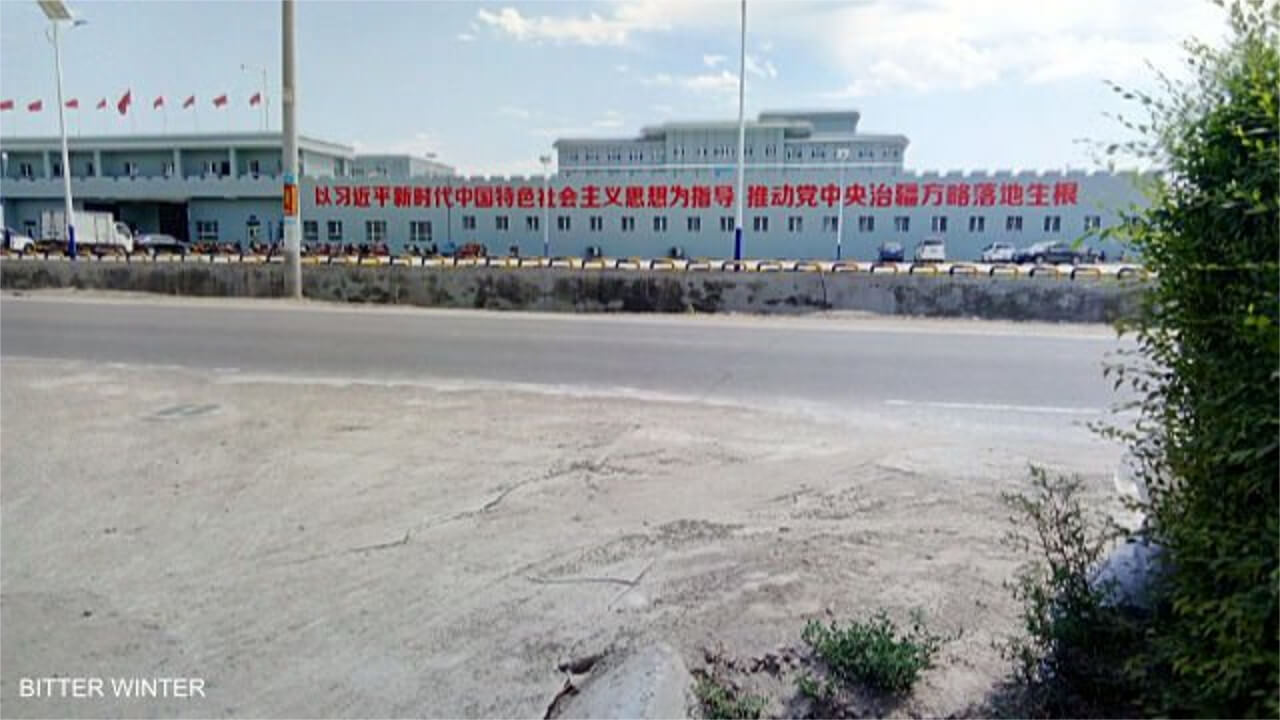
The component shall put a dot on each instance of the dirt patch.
(329, 550)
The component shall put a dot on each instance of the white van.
(931, 249)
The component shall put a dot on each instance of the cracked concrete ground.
(354, 549)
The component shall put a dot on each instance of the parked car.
(16, 241)
(998, 252)
(891, 252)
(1030, 253)
(930, 250)
(1056, 253)
(160, 243)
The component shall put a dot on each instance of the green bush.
(719, 702)
(1073, 657)
(874, 652)
(1209, 377)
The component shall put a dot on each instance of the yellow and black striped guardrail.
(1073, 272)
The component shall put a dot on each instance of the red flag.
(189, 102)
(6, 105)
(158, 102)
(125, 101)
(255, 99)
(220, 100)
(73, 103)
(35, 106)
(102, 104)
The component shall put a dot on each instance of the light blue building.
(673, 186)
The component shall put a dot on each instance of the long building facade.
(815, 187)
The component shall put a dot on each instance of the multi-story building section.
(674, 186)
(777, 140)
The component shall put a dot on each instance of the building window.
(254, 228)
(29, 228)
(168, 168)
(88, 169)
(693, 224)
(902, 223)
(866, 223)
(977, 223)
(310, 231)
(562, 223)
(938, 223)
(207, 231)
(131, 168)
(1053, 223)
(468, 222)
(628, 223)
(795, 224)
(726, 223)
(531, 223)
(760, 223)
(57, 169)
(1013, 223)
(25, 170)
(419, 231)
(375, 231)
(1092, 222)
(502, 222)
(660, 223)
(255, 168)
(829, 223)
(596, 223)
(334, 229)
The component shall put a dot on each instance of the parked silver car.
(159, 244)
(998, 252)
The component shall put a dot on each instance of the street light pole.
(57, 12)
(742, 136)
(289, 133)
(842, 155)
(546, 203)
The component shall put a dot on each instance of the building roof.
(167, 141)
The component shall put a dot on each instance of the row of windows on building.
(129, 168)
(728, 152)
(420, 231)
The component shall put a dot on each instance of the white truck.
(94, 230)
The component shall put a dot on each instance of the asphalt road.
(873, 364)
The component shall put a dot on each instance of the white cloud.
(419, 144)
(466, 37)
(724, 80)
(765, 69)
(962, 44)
(922, 45)
(611, 119)
(592, 29)
(514, 112)
(621, 68)
(699, 82)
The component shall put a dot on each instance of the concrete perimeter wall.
(579, 290)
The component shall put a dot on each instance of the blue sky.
(974, 84)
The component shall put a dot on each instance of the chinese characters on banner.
(898, 195)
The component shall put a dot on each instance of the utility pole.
(546, 204)
(742, 136)
(842, 155)
(57, 12)
(289, 132)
